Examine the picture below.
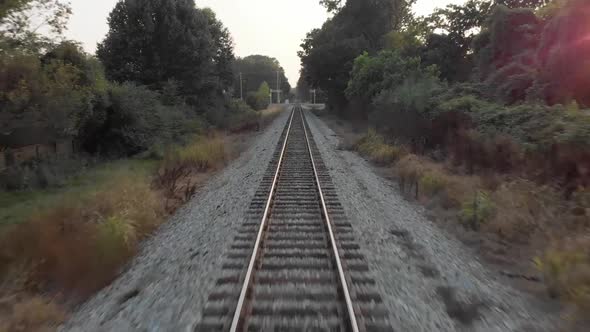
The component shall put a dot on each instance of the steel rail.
(343, 283)
(248, 280)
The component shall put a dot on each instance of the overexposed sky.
(268, 27)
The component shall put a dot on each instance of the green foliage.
(133, 118)
(18, 206)
(260, 99)
(565, 272)
(57, 89)
(372, 74)
(258, 69)
(235, 115)
(523, 3)
(114, 236)
(328, 53)
(477, 210)
(430, 184)
(174, 41)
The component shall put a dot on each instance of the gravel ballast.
(428, 280)
(166, 286)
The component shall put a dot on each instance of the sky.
(269, 27)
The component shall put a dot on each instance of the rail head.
(349, 307)
(248, 279)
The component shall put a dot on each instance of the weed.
(201, 155)
(477, 210)
(80, 243)
(373, 146)
(431, 184)
(566, 271)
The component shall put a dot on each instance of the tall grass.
(374, 147)
(200, 155)
(80, 243)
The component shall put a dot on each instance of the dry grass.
(566, 270)
(178, 175)
(425, 179)
(524, 208)
(268, 115)
(74, 247)
(33, 314)
(201, 155)
(80, 243)
(374, 147)
(528, 216)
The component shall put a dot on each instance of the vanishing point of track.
(294, 265)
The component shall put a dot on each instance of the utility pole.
(278, 89)
(241, 89)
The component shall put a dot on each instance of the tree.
(154, 41)
(255, 70)
(20, 21)
(56, 90)
(259, 100)
(224, 49)
(328, 54)
(562, 55)
(523, 3)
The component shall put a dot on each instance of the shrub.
(477, 210)
(431, 184)
(374, 147)
(566, 271)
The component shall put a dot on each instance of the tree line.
(165, 70)
(490, 84)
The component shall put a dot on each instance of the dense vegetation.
(143, 120)
(429, 81)
(493, 89)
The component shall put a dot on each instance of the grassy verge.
(58, 246)
(536, 225)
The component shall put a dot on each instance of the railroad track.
(295, 265)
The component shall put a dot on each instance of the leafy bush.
(373, 74)
(566, 272)
(235, 115)
(259, 100)
(477, 210)
(132, 119)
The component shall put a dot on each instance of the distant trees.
(256, 70)
(166, 68)
(154, 41)
(328, 53)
